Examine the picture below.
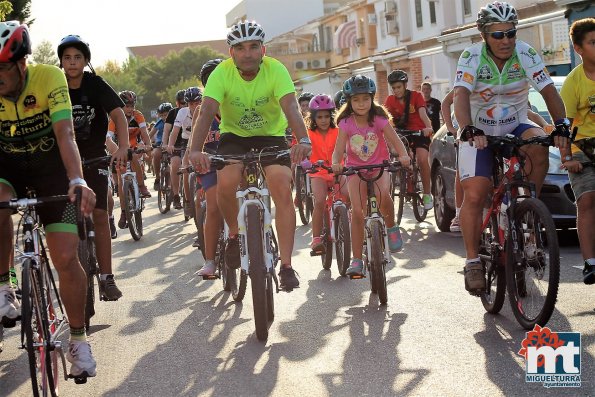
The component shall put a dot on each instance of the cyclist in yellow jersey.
(39, 151)
(255, 97)
(578, 93)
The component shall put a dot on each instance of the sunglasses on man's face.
(499, 35)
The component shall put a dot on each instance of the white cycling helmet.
(245, 31)
(496, 12)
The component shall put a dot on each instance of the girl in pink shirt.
(364, 130)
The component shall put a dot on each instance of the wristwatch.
(567, 158)
(563, 121)
(77, 181)
(305, 141)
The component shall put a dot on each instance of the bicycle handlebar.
(510, 139)
(410, 132)
(221, 160)
(100, 162)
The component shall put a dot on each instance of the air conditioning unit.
(318, 63)
(390, 7)
(372, 20)
(300, 64)
(392, 27)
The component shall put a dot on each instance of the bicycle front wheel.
(342, 239)
(402, 179)
(164, 195)
(377, 265)
(327, 255)
(419, 211)
(490, 255)
(133, 214)
(87, 259)
(532, 264)
(301, 194)
(199, 220)
(257, 271)
(34, 322)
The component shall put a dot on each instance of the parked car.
(556, 192)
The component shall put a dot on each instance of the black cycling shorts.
(422, 142)
(55, 217)
(233, 144)
(97, 179)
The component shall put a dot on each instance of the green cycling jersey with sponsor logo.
(499, 99)
(251, 108)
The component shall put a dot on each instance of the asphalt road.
(174, 334)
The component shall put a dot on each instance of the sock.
(4, 278)
(210, 262)
(590, 261)
(78, 334)
(104, 277)
(472, 260)
(286, 266)
(457, 211)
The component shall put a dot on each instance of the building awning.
(345, 35)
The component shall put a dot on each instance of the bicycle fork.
(131, 176)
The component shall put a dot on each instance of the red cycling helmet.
(322, 102)
(15, 43)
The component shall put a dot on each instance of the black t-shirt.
(91, 104)
(433, 110)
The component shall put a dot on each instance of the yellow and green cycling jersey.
(251, 108)
(26, 134)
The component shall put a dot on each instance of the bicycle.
(376, 253)
(134, 203)
(164, 193)
(519, 244)
(408, 180)
(303, 193)
(43, 318)
(188, 202)
(335, 224)
(258, 244)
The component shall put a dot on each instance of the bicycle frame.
(373, 216)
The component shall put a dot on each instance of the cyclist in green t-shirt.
(255, 96)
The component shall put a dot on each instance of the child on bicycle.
(322, 132)
(364, 130)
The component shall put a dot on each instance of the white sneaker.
(208, 269)
(10, 307)
(428, 202)
(455, 226)
(80, 356)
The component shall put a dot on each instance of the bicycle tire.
(300, 194)
(131, 212)
(377, 265)
(90, 269)
(29, 323)
(493, 298)
(225, 273)
(403, 174)
(530, 264)
(270, 296)
(51, 301)
(200, 219)
(257, 272)
(163, 195)
(342, 239)
(327, 255)
(417, 201)
(193, 195)
(394, 183)
(238, 283)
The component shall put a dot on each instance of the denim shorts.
(582, 182)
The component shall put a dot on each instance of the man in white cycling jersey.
(491, 97)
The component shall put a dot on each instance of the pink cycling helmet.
(322, 102)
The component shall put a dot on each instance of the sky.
(109, 26)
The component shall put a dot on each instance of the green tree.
(5, 9)
(44, 53)
(21, 11)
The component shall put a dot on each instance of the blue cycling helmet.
(193, 94)
(358, 84)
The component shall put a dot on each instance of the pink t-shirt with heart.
(365, 145)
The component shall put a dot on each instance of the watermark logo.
(552, 358)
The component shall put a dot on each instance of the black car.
(555, 193)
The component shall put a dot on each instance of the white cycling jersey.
(184, 121)
(499, 99)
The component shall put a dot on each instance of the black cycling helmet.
(207, 69)
(496, 12)
(73, 40)
(128, 97)
(339, 99)
(305, 96)
(193, 94)
(180, 96)
(397, 76)
(359, 84)
(165, 107)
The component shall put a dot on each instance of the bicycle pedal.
(79, 380)
(316, 253)
(357, 276)
(210, 277)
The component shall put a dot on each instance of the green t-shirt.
(251, 108)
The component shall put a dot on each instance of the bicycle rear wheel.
(403, 175)
(164, 193)
(200, 220)
(491, 255)
(88, 261)
(301, 194)
(377, 265)
(327, 255)
(342, 239)
(133, 214)
(417, 202)
(34, 322)
(257, 271)
(532, 269)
